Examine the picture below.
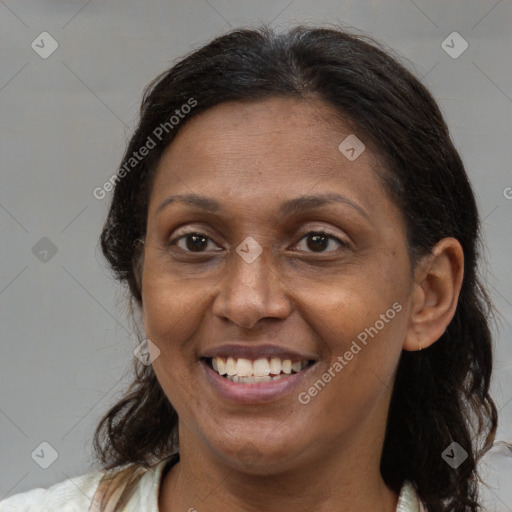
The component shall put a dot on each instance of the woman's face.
(237, 269)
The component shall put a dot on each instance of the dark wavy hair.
(441, 394)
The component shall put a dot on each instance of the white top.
(76, 495)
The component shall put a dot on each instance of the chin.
(256, 455)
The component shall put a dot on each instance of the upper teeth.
(259, 368)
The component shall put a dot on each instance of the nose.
(250, 292)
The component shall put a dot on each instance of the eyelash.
(304, 235)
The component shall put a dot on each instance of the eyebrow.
(296, 205)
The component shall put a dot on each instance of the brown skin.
(325, 455)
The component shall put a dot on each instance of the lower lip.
(255, 392)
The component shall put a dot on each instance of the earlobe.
(438, 280)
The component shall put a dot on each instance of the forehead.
(253, 152)
(275, 124)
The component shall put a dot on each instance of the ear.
(138, 263)
(437, 282)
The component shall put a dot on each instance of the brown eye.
(318, 241)
(192, 242)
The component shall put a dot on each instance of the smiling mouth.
(264, 369)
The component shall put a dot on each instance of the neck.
(341, 480)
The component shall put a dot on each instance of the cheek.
(171, 315)
(171, 311)
(363, 351)
(360, 324)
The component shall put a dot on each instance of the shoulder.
(409, 500)
(72, 495)
(84, 493)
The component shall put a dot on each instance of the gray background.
(66, 337)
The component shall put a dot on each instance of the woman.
(300, 236)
